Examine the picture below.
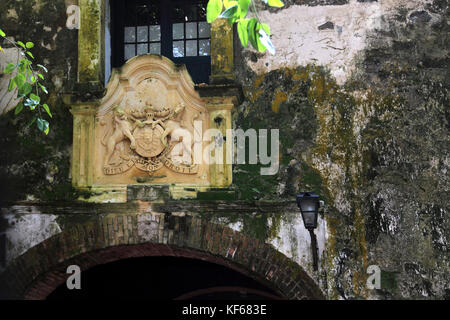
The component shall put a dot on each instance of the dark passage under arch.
(164, 278)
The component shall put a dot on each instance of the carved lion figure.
(122, 129)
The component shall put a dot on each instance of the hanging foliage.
(250, 29)
(28, 79)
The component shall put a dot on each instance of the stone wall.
(35, 166)
(359, 91)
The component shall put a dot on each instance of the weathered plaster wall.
(332, 35)
(26, 231)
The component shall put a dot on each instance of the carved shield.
(148, 143)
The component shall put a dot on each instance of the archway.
(42, 269)
(164, 278)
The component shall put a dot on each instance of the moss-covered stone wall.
(373, 143)
(33, 165)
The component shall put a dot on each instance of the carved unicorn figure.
(180, 120)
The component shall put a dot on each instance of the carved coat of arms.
(148, 132)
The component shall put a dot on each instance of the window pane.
(155, 33)
(204, 48)
(178, 31)
(129, 51)
(191, 48)
(142, 34)
(191, 30)
(142, 48)
(155, 48)
(178, 49)
(130, 34)
(204, 30)
(190, 13)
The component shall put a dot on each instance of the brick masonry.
(35, 274)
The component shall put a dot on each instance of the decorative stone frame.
(219, 98)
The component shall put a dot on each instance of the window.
(175, 29)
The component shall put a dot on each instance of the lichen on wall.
(375, 137)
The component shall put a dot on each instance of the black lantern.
(309, 204)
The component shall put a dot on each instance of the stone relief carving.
(144, 130)
(141, 137)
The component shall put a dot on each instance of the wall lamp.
(309, 204)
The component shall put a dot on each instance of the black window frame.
(199, 67)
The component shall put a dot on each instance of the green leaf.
(252, 33)
(40, 124)
(25, 61)
(264, 38)
(243, 32)
(229, 3)
(19, 108)
(20, 43)
(31, 122)
(22, 68)
(43, 88)
(275, 3)
(30, 45)
(42, 67)
(12, 84)
(30, 54)
(213, 9)
(30, 103)
(47, 109)
(41, 76)
(43, 125)
(24, 90)
(19, 79)
(2, 33)
(35, 98)
(9, 68)
(231, 12)
(244, 4)
(265, 27)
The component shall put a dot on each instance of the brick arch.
(41, 269)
